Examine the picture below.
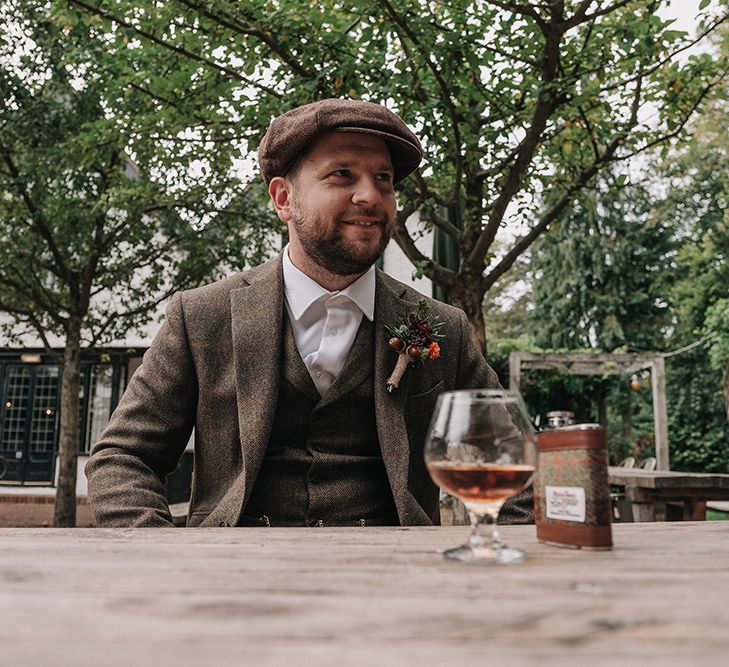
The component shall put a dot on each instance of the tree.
(600, 279)
(643, 266)
(717, 321)
(599, 282)
(697, 186)
(520, 104)
(90, 244)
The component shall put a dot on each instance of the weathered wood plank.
(580, 368)
(708, 483)
(514, 372)
(660, 414)
(587, 357)
(359, 597)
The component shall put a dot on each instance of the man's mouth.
(363, 223)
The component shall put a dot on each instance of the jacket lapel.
(357, 367)
(293, 367)
(257, 312)
(390, 307)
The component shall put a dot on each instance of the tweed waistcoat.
(323, 464)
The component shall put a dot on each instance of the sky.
(685, 12)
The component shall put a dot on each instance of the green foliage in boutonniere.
(415, 339)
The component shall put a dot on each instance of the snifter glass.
(481, 448)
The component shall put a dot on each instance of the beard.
(330, 250)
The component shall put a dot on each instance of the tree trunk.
(470, 300)
(64, 515)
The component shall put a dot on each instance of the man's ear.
(279, 189)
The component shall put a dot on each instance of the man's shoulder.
(408, 293)
(219, 291)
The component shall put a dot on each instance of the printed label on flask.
(566, 503)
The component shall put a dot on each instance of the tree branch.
(445, 92)
(437, 273)
(549, 216)
(426, 193)
(581, 15)
(25, 318)
(226, 20)
(24, 288)
(523, 10)
(445, 226)
(38, 221)
(546, 103)
(174, 105)
(663, 61)
(671, 135)
(590, 132)
(558, 207)
(222, 69)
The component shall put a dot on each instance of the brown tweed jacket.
(215, 366)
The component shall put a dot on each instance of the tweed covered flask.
(571, 491)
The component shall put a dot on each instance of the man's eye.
(341, 172)
(385, 176)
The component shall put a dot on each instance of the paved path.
(36, 512)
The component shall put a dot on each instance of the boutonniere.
(415, 339)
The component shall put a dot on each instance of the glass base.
(486, 554)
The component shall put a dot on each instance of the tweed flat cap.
(292, 132)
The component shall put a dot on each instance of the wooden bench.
(655, 493)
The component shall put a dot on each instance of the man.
(282, 369)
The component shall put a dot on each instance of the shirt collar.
(302, 291)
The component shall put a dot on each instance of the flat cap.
(289, 134)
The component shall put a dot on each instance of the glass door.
(28, 415)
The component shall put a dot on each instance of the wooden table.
(650, 490)
(363, 596)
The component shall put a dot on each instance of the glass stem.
(484, 532)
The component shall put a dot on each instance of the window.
(100, 385)
(45, 404)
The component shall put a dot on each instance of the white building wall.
(400, 267)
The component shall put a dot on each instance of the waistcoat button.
(224, 524)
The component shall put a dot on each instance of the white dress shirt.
(325, 323)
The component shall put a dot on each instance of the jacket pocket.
(434, 391)
(418, 412)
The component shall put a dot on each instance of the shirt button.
(333, 331)
(318, 374)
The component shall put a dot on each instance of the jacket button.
(224, 524)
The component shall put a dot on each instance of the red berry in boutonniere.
(416, 338)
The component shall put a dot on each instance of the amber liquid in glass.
(481, 483)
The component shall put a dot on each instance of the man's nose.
(366, 192)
